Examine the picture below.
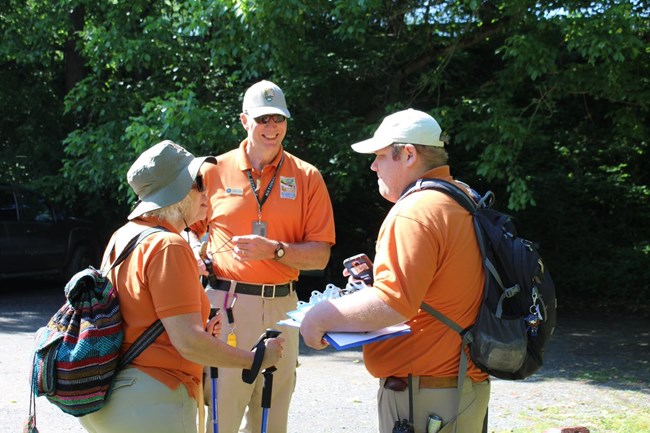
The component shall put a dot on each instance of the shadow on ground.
(609, 349)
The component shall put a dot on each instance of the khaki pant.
(139, 403)
(394, 405)
(240, 404)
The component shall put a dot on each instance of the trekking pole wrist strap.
(249, 375)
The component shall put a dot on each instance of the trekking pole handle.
(267, 390)
(214, 371)
(272, 333)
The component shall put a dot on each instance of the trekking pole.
(214, 374)
(268, 385)
(211, 280)
(214, 371)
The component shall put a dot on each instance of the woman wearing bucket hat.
(159, 390)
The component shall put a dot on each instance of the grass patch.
(625, 420)
(605, 376)
(598, 376)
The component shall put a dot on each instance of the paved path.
(333, 387)
(591, 367)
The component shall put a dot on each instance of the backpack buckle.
(512, 291)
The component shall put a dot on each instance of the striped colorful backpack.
(77, 355)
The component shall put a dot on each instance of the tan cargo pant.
(394, 405)
(239, 404)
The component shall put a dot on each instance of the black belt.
(264, 290)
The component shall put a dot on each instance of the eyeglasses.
(277, 118)
(198, 183)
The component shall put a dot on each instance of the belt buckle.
(264, 286)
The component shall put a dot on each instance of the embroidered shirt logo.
(288, 188)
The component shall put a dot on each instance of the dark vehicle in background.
(37, 240)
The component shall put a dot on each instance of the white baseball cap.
(163, 175)
(407, 126)
(264, 98)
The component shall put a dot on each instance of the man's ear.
(411, 154)
(244, 120)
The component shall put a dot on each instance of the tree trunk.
(74, 64)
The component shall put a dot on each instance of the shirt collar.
(243, 163)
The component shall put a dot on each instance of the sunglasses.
(277, 118)
(198, 183)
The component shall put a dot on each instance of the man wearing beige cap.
(270, 217)
(426, 251)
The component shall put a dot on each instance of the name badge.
(259, 228)
(234, 191)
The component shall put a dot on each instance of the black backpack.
(518, 313)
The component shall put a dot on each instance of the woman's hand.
(214, 325)
(273, 351)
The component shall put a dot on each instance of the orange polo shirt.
(298, 209)
(427, 251)
(159, 279)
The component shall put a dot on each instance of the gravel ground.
(594, 366)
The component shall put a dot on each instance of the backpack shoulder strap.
(156, 327)
(468, 204)
(443, 186)
(466, 338)
(130, 246)
(141, 343)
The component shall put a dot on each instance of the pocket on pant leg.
(123, 382)
(467, 419)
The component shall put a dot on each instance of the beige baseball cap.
(163, 175)
(264, 98)
(407, 126)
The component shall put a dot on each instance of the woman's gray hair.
(175, 213)
(432, 156)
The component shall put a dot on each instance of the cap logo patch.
(268, 94)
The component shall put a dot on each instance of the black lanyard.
(267, 192)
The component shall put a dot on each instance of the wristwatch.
(279, 251)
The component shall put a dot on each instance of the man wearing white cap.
(426, 251)
(270, 217)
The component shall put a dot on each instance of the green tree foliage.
(546, 103)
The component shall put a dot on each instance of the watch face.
(279, 252)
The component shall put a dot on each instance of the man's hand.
(354, 281)
(312, 334)
(253, 247)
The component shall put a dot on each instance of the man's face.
(268, 135)
(391, 173)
